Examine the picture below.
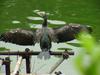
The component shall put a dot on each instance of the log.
(56, 65)
(33, 53)
(17, 67)
(6, 63)
(1, 63)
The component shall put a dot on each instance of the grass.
(3, 49)
(72, 11)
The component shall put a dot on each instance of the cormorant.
(45, 36)
(45, 40)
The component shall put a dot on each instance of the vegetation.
(88, 61)
(3, 49)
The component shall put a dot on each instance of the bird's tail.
(45, 54)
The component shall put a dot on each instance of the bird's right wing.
(69, 32)
(19, 36)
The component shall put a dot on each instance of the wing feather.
(19, 36)
(69, 32)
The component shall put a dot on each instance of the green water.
(85, 12)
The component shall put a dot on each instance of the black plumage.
(45, 40)
(45, 45)
(69, 32)
(19, 36)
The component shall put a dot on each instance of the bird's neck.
(44, 25)
(45, 21)
(45, 30)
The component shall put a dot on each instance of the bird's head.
(44, 20)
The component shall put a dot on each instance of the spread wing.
(19, 36)
(68, 32)
(28, 37)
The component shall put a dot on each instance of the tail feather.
(44, 54)
(41, 55)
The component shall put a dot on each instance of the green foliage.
(64, 49)
(87, 41)
(91, 51)
(3, 49)
(74, 44)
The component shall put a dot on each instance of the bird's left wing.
(69, 32)
(19, 36)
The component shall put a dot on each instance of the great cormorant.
(45, 36)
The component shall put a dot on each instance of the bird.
(45, 40)
(44, 36)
